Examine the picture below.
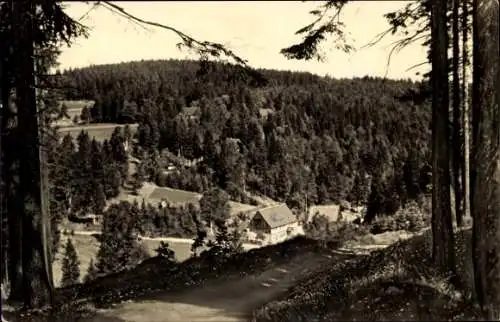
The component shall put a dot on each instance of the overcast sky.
(254, 30)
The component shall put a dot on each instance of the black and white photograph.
(250, 161)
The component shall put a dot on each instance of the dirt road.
(223, 301)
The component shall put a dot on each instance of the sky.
(254, 30)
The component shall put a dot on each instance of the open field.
(100, 132)
(87, 247)
(153, 193)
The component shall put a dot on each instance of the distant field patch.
(100, 132)
(154, 195)
(236, 207)
(174, 196)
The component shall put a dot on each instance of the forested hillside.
(294, 138)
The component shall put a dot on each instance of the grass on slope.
(397, 283)
(99, 131)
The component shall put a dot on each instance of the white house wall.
(280, 234)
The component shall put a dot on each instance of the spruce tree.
(99, 201)
(70, 265)
(91, 272)
(119, 247)
(82, 183)
(139, 178)
(97, 162)
(85, 115)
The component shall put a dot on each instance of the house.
(272, 224)
(265, 112)
(190, 112)
(90, 219)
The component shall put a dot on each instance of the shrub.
(342, 231)
(164, 251)
(139, 254)
(339, 231)
(410, 218)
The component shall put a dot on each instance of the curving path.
(223, 301)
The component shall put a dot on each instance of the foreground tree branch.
(203, 48)
(318, 30)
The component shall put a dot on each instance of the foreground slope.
(231, 300)
(397, 283)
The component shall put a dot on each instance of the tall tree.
(465, 108)
(37, 279)
(457, 145)
(485, 163)
(442, 227)
(70, 265)
(214, 206)
(118, 240)
(29, 29)
(91, 272)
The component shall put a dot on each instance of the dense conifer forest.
(292, 136)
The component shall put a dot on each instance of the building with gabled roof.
(272, 224)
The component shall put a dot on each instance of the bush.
(339, 231)
(139, 254)
(343, 232)
(410, 218)
(164, 251)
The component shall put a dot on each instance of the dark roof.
(174, 196)
(190, 110)
(277, 215)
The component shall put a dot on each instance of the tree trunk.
(442, 226)
(37, 281)
(9, 167)
(486, 157)
(465, 110)
(457, 126)
(11, 203)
